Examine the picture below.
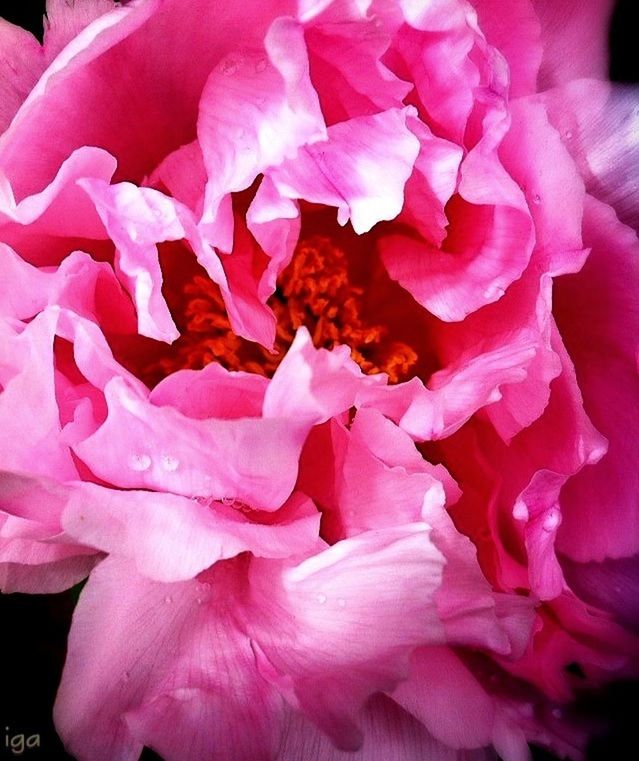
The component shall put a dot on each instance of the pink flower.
(319, 358)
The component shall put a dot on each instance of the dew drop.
(140, 462)
(168, 599)
(198, 600)
(537, 199)
(520, 511)
(568, 134)
(170, 463)
(321, 599)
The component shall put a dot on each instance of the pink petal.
(249, 96)
(140, 445)
(213, 392)
(61, 208)
(347, 72)
(162, 665)
(487, 248)
(31, 443)
(575, 39)
(447, 699)
(362, 169)
(512, 26)
(313, 385)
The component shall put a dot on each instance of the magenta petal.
(599, 505)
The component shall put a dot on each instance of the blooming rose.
(319, 358)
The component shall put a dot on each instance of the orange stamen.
(314, 290)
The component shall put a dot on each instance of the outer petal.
(21, 65)
(601, 514)
(162, 665)
(65, 20)
(575, 39)
(358, 608)
(599, 125)
(389, 732)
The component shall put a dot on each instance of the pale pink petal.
(162, 665)
(252, 460)
(21, 65)
(172, 538)
(258, 107)
(183, 174)
(31, 442)
(35, 553)
(359, 607)
(537, 158)
(51, 578)
(453, 395)
(599, 505)
(574, 36)
(431, 185)
(313, 385)
(361, 169)
(136, 220)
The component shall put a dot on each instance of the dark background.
(35, 627)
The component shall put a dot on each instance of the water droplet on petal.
(568, 134)
(140, 462)
(537, 199)
(168, 599)
(170, 463)
(321, 598)
(520, 511)
(198, 600)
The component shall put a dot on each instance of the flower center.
(315, 290)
